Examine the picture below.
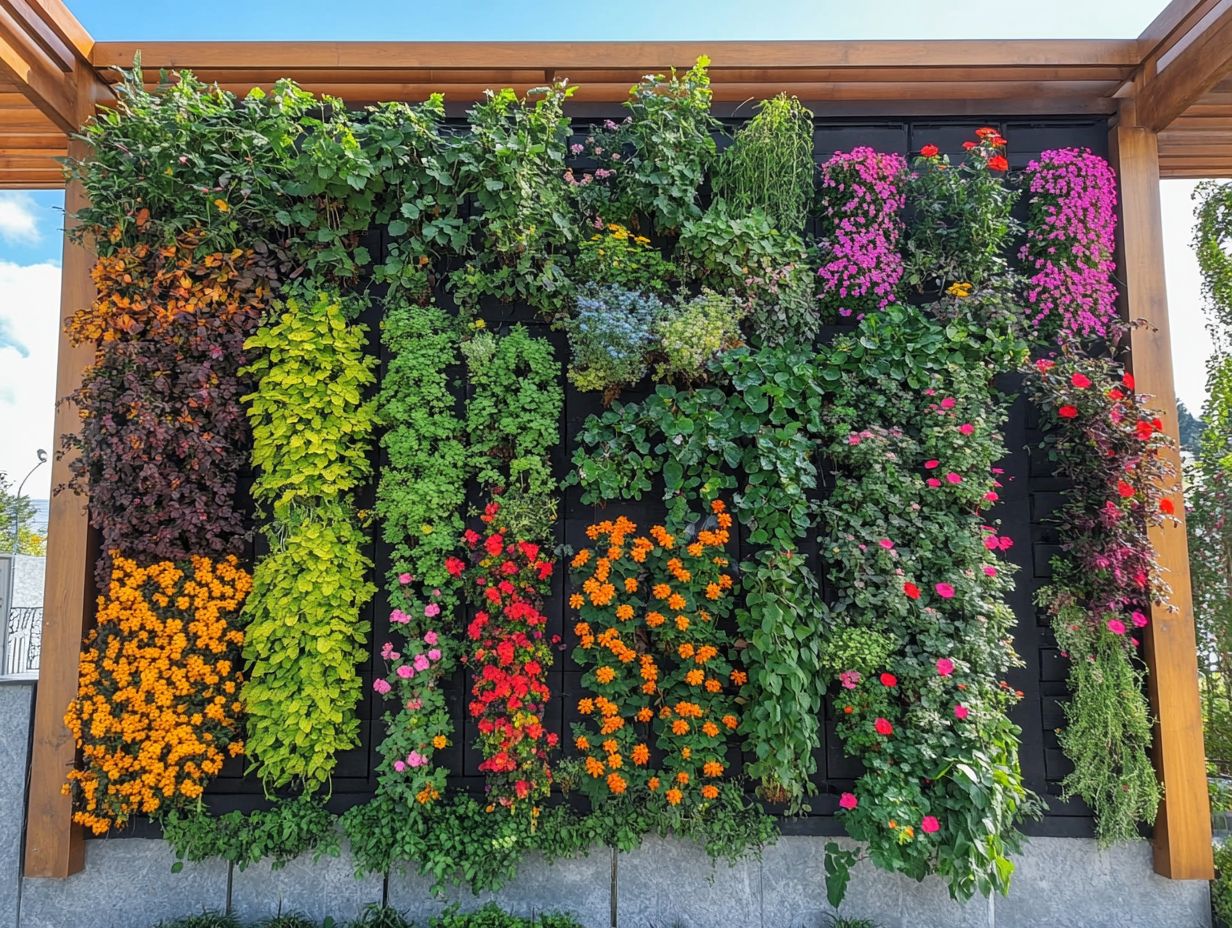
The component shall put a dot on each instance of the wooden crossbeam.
(1179, 72)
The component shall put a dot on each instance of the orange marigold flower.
(440, 742)
(630, 584)
(645, 714)
(655, 619)
(685, 650)
(611, 724)
(581, 628)
(682, 622)
(582, 742)
(652, 784)
(705, 653)
(674, 796)
(682, 778)
(696, 549)
(614, 761)
(680, 727)
(616, 783)
(605, 674)
(731, 721)
(675, 601)
(595, 767)
(713, 591)
(661, 591)
(580, 559)
(710, 729)
(576, 601)
(610, 746)
(710, 791)
(586, 706)
(713, 685)
(624, 612)
(694, 677)
(739, 677)
(641, 754)
(712, 768)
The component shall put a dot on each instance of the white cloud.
(19, 218)
(29, 317)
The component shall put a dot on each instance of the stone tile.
(1070, 883)
(320, 888)
(580, 887)
(667, 883)
(126, 883)
(794, 892)
(15, 705)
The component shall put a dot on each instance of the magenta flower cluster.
(861, 207)
(1068, 252)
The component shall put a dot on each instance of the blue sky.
(119, 20)
(30, 223)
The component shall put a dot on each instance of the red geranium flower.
(912, 591)
(930, 151)
(888, 679)
(454, 566)
(883, 726)
(998, 163)
(1068, 412)
(1081, 381)
(1166, 506)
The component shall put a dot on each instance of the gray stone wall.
(128, 883)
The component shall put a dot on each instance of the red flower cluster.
(509, 660)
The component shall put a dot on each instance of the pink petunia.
(967, 428)
(848, 801)
(944, 590)
(930, 825)
(954, 478)
(887, 544)
(932, 465)
(1116, 626)
(945, 666)
(1139, 619)
(948, 403)
(961, 711)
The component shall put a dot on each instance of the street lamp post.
(42, 459)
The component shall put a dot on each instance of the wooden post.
(54, 846)
(1183, 829)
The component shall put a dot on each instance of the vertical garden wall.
(482, 485)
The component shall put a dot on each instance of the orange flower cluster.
(145, 287)
(158, 698)
(664, 688)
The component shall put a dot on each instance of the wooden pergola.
(1167, 95)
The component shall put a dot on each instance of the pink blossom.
(933, 482)
(945, 666)
(406, 671)
(1116, 626)
(434, 654)
(948, 403)
(954, 478)
(1139, 619)
(967, 428)
(932, 465)
(430, 638)
(398, 617)
(415, 759)
(404, 578)
(849, 679)
(381, 685)
(990, 571)
(944, 590)
(432, 610)
(399, 766)
(848, 801)
(961, 711)
(422, 662)
(887, 544)
(929, 825)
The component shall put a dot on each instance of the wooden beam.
(1173, 80)
(296, 57)
(55, 846)
(37, 75)
(1182, 836)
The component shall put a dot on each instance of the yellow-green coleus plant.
(312, 430)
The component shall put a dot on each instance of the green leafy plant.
(289, 829)
(611, 335)
(513, 420)
(1221, 886)
(769, 165)
(512, 163)
(380, 916)
(493, 916)
(419, 502)
(204, 920)
(693, 333)
(303, 645)
(310, 421)
(669, 136)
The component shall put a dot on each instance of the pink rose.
(948, 403)
(967, 428)
(932, 465)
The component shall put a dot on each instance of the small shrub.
(1221, 886)
(492, 916)
(615, 255)
(289, 920)
(610, 337)
(694, 333)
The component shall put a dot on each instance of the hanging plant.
(1108, 446)
(861, 203)
(768, 168)
(419, 502)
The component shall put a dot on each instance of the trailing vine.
(920, 634)
(311, 426)
(419, 502)
(1108, 446)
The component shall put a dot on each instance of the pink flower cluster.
(1070, 242)
(861, 210)
(406, 666)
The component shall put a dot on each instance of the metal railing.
(23, 641)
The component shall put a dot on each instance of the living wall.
(379, 324)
